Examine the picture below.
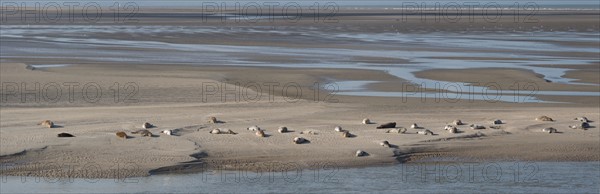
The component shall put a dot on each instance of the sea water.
(430, 177)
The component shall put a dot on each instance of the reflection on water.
(432, 177)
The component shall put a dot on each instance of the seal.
(396, 130)
(425, 132)
(360, 153)
(387, 125)
(544, 118)
(346, 134)
(476, 126)
(260, 133)
(338, 129)
(299, 140)
(215, 131)
(253, 128)
(144, 133)
(583, 119)
(549, 130)
(147, 125)
(282, 129)
(213, 120)
(385, 144)
(366, 121)
(122, 134)
(414, 126)
(497, 122)
(457, 122)
(46, 123)
(65, 135)
(167, 132)
(451, 129)
(583, 125)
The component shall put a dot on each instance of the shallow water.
(431, 177)
(413, 51)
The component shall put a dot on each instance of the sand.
(170, 97)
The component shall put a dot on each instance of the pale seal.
(425, 132)
(167, 132)
(212, 120)
(47, 123)
(583, 119)
(253, 128)
(544, 118)
(366, 121)
(215, 131)
(397, 130)
(457, 122)
(260, 133)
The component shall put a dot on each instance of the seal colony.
(390, 126)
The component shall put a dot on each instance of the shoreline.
(168, 100)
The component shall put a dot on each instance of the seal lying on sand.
(147, 125)
(122, 134)
(253, 128)
(65, 135)
(544, 118)
(282, 129)
(425, 132)
(338, 129)
(549, 130)
(360, 153)
(260, 133)
(414, 126)
(583, 119)
(397, 130)
(385, 144)
(475, 126)
(46, 123)
(387, 125)
(346, 134)
(583, 125)
(497, 122)
(457, 122)
(144, 133)
(495, 127)
(299, 140)
(167, 132)
(451, 129)
(366, 121)
(222, 131)
(212, 120)
(310, 132)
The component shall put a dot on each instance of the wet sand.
(165, 100)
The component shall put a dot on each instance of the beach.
(165, 100)
(308, 76)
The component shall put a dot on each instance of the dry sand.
(170, 97)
